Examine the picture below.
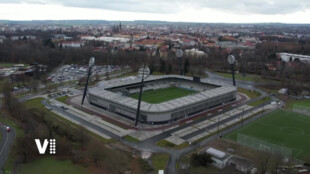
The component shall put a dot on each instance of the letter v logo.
(41, 148)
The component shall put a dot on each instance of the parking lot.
(76, 72)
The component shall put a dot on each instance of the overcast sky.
(230, 11)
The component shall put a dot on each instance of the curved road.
(150, 144)
(5, 144)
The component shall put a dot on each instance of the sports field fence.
(264, 145)
(301, 109)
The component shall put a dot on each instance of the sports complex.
(281, 131)
(165, 99)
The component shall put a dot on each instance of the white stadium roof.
(100, 91)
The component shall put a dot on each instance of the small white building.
(288, 57)
(113, 39)
(73, 44)
(219, 158)
(283, 91)
(194, 52)
(160, 171)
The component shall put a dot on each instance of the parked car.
(63, 107)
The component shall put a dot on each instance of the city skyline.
(173, 11)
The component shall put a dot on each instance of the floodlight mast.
(179, 54)
(140, 96)
(231, 60)
(91, 64)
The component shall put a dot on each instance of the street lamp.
(218, 125)
(231, 60)
(90, 65)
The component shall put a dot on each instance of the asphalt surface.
(6, 142)
(150, 144)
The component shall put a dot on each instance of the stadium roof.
(181, 102)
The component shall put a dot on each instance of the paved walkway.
(92, 118)
(188, 133)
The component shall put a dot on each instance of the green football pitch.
(162, 95)
(284, 128)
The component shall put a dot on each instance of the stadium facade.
(113, 96)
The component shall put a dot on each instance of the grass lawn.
(302, 103)
(36, 103)
(8, 166)
(8, 65)
(260, 101)
(62, 99)
(158, 73)
(130, 138)
(167, 144)
(126, 75)
(162, 95)
(49, 165)
(249, 93)
(248, 77)
(160, 161)
(284, 128)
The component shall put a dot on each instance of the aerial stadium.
(165, 99)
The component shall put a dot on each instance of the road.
(150, 144)
(5, 144)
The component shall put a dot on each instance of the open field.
(8, 65)
(62, 99)
(162, 95)
(159, 161)
(248, 77)
(130, 138)
(53, 166)
(260, 101)
(251, 94)
(284, 128)
(304, 103)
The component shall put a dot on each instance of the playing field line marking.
(300, 152)
(281, 144)
(280, 129)
(264, 123)
(299, 131)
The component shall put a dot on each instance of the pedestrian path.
(94, 119)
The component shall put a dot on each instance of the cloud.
(176, 6)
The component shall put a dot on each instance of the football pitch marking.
(292, 130)
(163, 94)
(288, 128)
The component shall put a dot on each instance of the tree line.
(73, 142)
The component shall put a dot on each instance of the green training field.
(284, 128)
(162, 95)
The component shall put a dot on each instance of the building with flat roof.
(113, 96)
(288, 57)
(219, 158)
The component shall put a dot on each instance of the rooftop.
(101, 92)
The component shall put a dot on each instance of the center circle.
(292, 130)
